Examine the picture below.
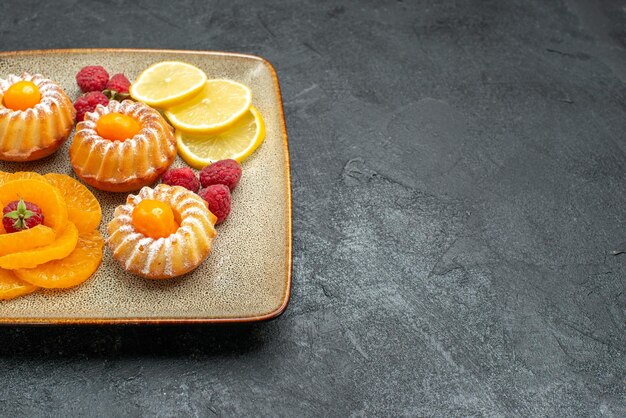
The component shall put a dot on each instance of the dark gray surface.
(458, 184)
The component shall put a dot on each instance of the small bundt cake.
(122, 146)
(36, 117)
(161, 233)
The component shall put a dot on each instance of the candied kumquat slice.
(12, 287)
(60, 248)
(41, 193)
(70, 271)
(83, 209)
(26, 239)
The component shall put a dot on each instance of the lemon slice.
(167, 83)
(238, 142)
(218, 105)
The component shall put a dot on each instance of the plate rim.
(287, 164)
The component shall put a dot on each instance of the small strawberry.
(19, 215)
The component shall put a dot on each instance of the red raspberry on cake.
(218, 199)
(88, 102)
(92, 78)
(226, 172)
(184, 177)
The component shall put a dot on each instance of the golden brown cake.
(165, 257)
(38, 131)
(123, 165)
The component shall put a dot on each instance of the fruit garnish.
(19, 215)
(236, 143)
(22, 95)
(216, 107)
(19, 175)
(184, 177)
(226, 172)
(83, 209)
(92, 78)
(88, 103)
(117, 126)
(218, 199)
(71, 270)
(154, 219)
(43, 194)
(61, 247)
(12, 287)
(117, 87)
(26, 239)
(166, 83)
(54, 253)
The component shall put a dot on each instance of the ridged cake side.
(37, 132)
(123, 165)
(169, 257)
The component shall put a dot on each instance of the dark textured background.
(459, 178)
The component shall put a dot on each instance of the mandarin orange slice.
(62, 246)
(26, 239)
(41, 193)
(83, 208)
(21, 175)
(70, 271)
(12, 287)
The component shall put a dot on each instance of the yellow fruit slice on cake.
(238, 142)
(218, 106)
(166, 83)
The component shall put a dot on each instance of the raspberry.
(226, 172)
(88, 102)
(184, 177)
(218, 198)
(19, 215)
(92, 78)
(118, 83)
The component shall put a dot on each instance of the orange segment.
(12, 287)
(20, 175)
(70, 271)
(60, 248)
(83, 209)
(41, 193)
(26, 239)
